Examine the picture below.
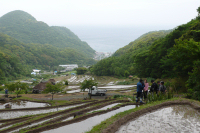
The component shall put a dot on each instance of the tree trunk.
(90, 95)
(52, 96)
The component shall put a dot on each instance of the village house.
(42, 86)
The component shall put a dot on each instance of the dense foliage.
(26, 43)
(18, 58)
(121, 64)
(81, 70)
(25, 28)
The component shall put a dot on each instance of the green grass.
(2, 92)
(52, 102)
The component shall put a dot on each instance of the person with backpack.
(140, 87)
(154, 87)
(162, 88)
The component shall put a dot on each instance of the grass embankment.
(103, 125)
(52, 102)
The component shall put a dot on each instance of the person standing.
(162, 88)
(145, 91)
(158, 83)
(139, 91)
(154, 87)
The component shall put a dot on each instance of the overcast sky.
(106, 12)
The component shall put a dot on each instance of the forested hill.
(18, 58)
(175, 56)
(143, 41)
(122, 62)
(25, 28)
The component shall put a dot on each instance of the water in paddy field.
(86, 125)
(15, 114)
(22, 104)
(174, 119)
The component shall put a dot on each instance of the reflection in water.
(109, 88)
(87, 124)
(106, 107)
(171, 119)
(22, 104)
(15, 114)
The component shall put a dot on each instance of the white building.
(36, 70)
(69, 67)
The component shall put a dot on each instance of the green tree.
(53, 89)
(24, 87)
(193, 83)
(126, 73)
(19, 87)
(198, 10)
(81, 70)
(66, 82)
(88, 84)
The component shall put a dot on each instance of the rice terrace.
(117, 111)
(100, 66)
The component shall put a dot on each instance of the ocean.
(111, 38)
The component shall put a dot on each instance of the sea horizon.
(111, 38)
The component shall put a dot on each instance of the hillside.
(123, 59)
(18, 58)
(25, 28)
(175, 57)
(143, 41)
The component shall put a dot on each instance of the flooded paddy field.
(87, 124)
(117, 87)
(173, 119)
(77, 89)
(67, 115)
(15, 114)
(22, 104)
(106, 107)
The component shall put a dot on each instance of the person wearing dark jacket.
(162, 88)
(158, 83)
(154, 87)
(140, 87)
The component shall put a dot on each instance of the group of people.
(143, 89)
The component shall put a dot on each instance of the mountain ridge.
(25, 28)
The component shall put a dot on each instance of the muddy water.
(75, 91)
(68, 119)
(117, 87)
(23, 104)
(106, 107)
(174, 119)
(72, 87)
(32, 124)
(15, 114)
(87, 124)
(125, 91)
(114, 87)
